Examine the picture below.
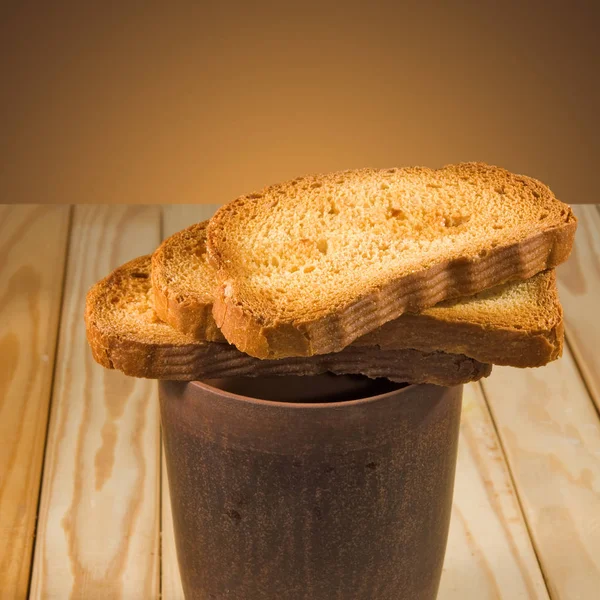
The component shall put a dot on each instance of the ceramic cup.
(310, 488)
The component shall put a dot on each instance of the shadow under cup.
(313, 488)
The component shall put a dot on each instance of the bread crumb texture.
(181, 264)
(531, 305)
(122, 306)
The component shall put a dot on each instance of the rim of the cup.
(303, 405)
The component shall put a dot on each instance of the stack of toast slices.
(416, 275)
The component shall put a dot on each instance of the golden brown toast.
(309, 266)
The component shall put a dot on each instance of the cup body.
(310, 501)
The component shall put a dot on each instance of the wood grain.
(489, 554)
(579, 288)
(98, 534)
(550, 431)
(175, 218)
(33, 242)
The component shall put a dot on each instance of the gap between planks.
(579, 288)
(32, 260)
(549, 426)
(98, 533)
(550, 433)
(489, 553)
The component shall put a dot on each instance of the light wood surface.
(98, 533)
(526, 514)
(30, 296)
(579, 288)
(489, 553)
(551, 436)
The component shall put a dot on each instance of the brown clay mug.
(310, 488)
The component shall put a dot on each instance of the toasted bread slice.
(125, 333)
(308, 266)
(514, 324)
(183, 282)
(517, 324)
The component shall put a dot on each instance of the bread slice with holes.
(517, 324)
(125, 333)
(308, 266)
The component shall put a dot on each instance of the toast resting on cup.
(518, 324)
(125, 333)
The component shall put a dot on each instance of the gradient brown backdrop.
(115, 104)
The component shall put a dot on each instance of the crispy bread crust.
(508, 347)
(507, 344)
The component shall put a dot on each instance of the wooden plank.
(179, 216)
(579, 288)
(98, 534)
(175, 218)
(489, 554)
(33, 245)
(550, 432)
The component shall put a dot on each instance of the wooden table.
(84, 508)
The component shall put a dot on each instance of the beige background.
(200, 104)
